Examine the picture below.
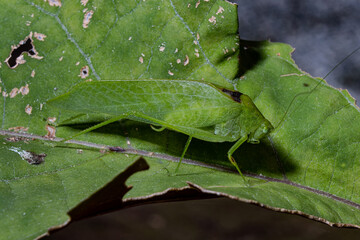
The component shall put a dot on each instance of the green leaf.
(309, 168)
(35, 198)
(316, 141)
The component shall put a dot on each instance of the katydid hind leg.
(111, 120)
(183, 154)
(232, 150)
(118, 118)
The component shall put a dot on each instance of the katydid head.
(258, 126)
(249, 122)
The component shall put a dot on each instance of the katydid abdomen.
(195, 108)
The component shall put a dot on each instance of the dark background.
(323, 32)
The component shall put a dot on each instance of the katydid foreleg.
(233, 149)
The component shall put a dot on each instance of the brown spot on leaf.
(24, 90)
(18, 129)
(197, 4)
(84, 72)
(56, 3)
(186, 61)
(212, 20)
(18, 139)
(20, 60)
(220, 10)
(84, 2)
(39, 36)
(14, 92)
(28, 109)
(51, 131)
(51, 120)
(31, 157)
(16, 56)
(87, 17)
(35, 159)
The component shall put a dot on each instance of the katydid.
(197, 109)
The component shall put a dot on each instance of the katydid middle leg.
(183, 153)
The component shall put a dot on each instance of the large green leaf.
(309, 168)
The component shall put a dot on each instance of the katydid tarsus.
(197, 109)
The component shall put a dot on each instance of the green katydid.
(197, 109)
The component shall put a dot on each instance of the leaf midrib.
(187, 161)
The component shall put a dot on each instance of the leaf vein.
(87, 58)
(195, 38)
(117, 19)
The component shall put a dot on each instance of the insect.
(198, 109)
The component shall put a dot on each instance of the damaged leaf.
(308, 166)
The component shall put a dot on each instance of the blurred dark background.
(323, 33)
